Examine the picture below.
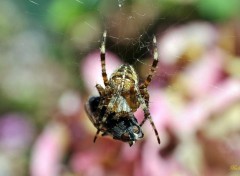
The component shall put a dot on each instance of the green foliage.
(64, 13)
(218, 10)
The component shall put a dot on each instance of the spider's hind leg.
(147, 114)
(145, 95)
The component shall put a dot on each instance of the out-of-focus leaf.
(218, 10)
(64, 13)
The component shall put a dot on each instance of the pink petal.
(91, 69)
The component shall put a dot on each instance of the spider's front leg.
(109, 108)
(103, 60)
(100, 112)
(105, 79)
(100, 89)
(153, 67)
(103, 111)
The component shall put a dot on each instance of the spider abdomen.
(124, 77)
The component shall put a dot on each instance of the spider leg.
(104, 76)
(145, 95)
(154, 64)
(96, 135)
(109, 108)
(100, 89)
(103, 120)
(144, 120)
(99, 109)
(147, 114)
(103, 63)
(100, 122)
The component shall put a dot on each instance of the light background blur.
(49, 65)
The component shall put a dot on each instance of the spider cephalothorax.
(121, 97)
(124, 128)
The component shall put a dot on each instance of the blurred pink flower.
(175, 42)
(153, 164)
(130, 154)
(105, 157)
(203, 75)
(87, 163)
(224, 95)
(48, 151)
(91, 69)
(197, 111)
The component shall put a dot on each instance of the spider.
(121, 97)
(125, 128)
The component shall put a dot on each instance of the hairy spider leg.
(100, 89)
(100, 106)
(147, 114)
(103, 62)
(110, 106)
(104, 74)
(154, 64)
(145, 95)
(143, 86)
(96, 135)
